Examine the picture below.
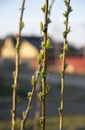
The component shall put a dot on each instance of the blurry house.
(75, 58)
(7, 50)
(29, 50)
(72, 51)
(35, 43)
(75, 65)
(28, 53)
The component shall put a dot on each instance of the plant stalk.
(63, 68)
(26, 112)
(44, 64)
(16, 71)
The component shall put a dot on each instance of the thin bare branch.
(16, 72)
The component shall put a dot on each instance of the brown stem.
(44, 64)
(16, 71)
(26, 112)
(63, 72)
(25, 115)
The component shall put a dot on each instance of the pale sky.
(9, 19)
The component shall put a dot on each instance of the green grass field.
(52, 123)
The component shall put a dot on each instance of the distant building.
(75, 65)
(29, 49)
(7, 50)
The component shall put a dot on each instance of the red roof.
(75, 65)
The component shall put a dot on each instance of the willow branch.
(26, 112)
(16, 72)
(44, 63)
(64, 65)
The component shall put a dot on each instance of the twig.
(16, 72)
(44, 63)
(30, 98)
(62, 57)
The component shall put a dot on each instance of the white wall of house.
(7, 50)
(28, 51)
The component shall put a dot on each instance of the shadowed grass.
(76, 122)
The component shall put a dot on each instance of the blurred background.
(29, 49)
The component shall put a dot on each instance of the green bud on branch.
(21, 25)
(40, 95)
(43, 73)
(65, 66)
(41, 120)
(40, 56)
(47, 89)
(41, 27)
(14, 86)
(29, 95)
(62, 73)
(17, 47)
(49, 21)
(60, 110)
(65, 1)
(65, 22)
(41, 52)
(33, 81)
(43, 44)
(65, 34)
(43, 8)
(13, 124)
(65, 14)
(61, 57)
(70, 9)
(16, 36)
(66, 47)
(48, 44)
